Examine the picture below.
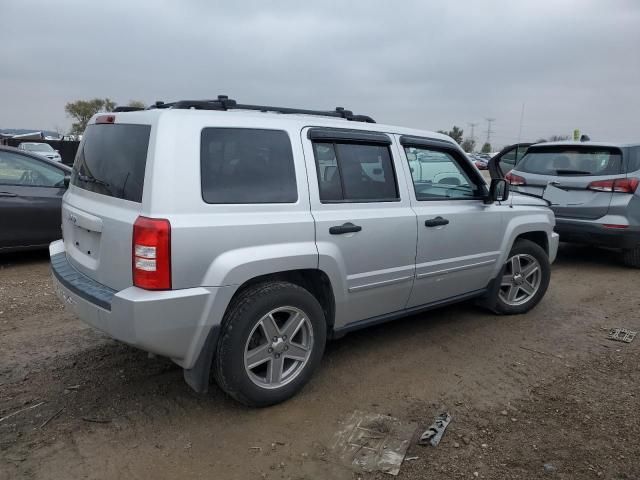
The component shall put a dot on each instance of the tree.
(468, 145)
(83, 110)
(455, 133)
(137, 104)
(558, 138)
(486, 148)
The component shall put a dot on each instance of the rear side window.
(572, 161)
(243, 165)
(112, 159)
(349, 172)
(634, 160)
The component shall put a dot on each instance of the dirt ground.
(540, 389)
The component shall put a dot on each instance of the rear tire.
(631, 257)
(523, 280)
(272, 340)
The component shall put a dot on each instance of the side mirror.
(66, 181)
(498, 191)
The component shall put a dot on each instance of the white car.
(43, 149)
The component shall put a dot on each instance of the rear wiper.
(87, 179)
(562, 171)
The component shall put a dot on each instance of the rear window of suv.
(244, 165)
(571, 161)
(112, 159)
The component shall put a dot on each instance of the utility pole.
(473, 133)
(489, 131)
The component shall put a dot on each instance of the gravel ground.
(540, 389)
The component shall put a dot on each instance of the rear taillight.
(152, 253)
(514, 179)
(619, 185)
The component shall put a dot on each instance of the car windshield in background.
(112, 159)
(38, 147)
(572, 161)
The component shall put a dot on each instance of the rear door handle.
(436, 222)
(345, 228)
(8, 194)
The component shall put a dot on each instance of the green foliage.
(468, 145)
(455, 133)
(82, 111)
(486, 148)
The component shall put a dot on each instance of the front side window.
(21, 170)
(437, 175)
(350, 172)
(244, 165)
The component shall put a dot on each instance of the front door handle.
(345, 228)
(8, 194)
(436, 222)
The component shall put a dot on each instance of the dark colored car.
(31, 189)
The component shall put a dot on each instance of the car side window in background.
(350, 172)
(437, 175)
(244, 165)
(21, 170)
(634, 160)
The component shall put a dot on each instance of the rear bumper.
(172, 323)
(576, 231)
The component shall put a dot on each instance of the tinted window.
(16, 169)
(112, 159)
(571, 161)
(437, 175)
(355, 172)
(242, 165)
(634, 159)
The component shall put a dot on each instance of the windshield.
(571, 160)
(38, 147)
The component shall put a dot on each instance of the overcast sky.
(424, 64)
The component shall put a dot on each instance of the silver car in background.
(42, 149)
(601, 181)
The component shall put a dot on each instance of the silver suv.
(601, 204)
(235, 239)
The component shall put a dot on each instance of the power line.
(473, 126)
(489, 131)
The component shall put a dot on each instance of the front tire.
(523, 280)
(272, 340)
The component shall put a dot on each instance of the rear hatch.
(577, 169)
(104, 200)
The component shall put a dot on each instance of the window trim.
(37, 160)
(444, 147)
(293, 163)
(335, 150)
(344, 135)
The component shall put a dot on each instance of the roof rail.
(223, 103)
(127, 109)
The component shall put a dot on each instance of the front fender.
(518, 224)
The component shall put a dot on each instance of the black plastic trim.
(406, 312)
(345, 135)
(80, 284)
(411, 141)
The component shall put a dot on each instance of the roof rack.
(224, 103)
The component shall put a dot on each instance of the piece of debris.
(373, 442)
(52, 417)
(96, 420)
(259, 449)
(408, 459)
(456, 445)
(548, 468)
(434, 433)
(73, 387)
(21, 410)
(621, 335)
(504, 413)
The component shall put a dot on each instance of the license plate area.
(85, 242)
